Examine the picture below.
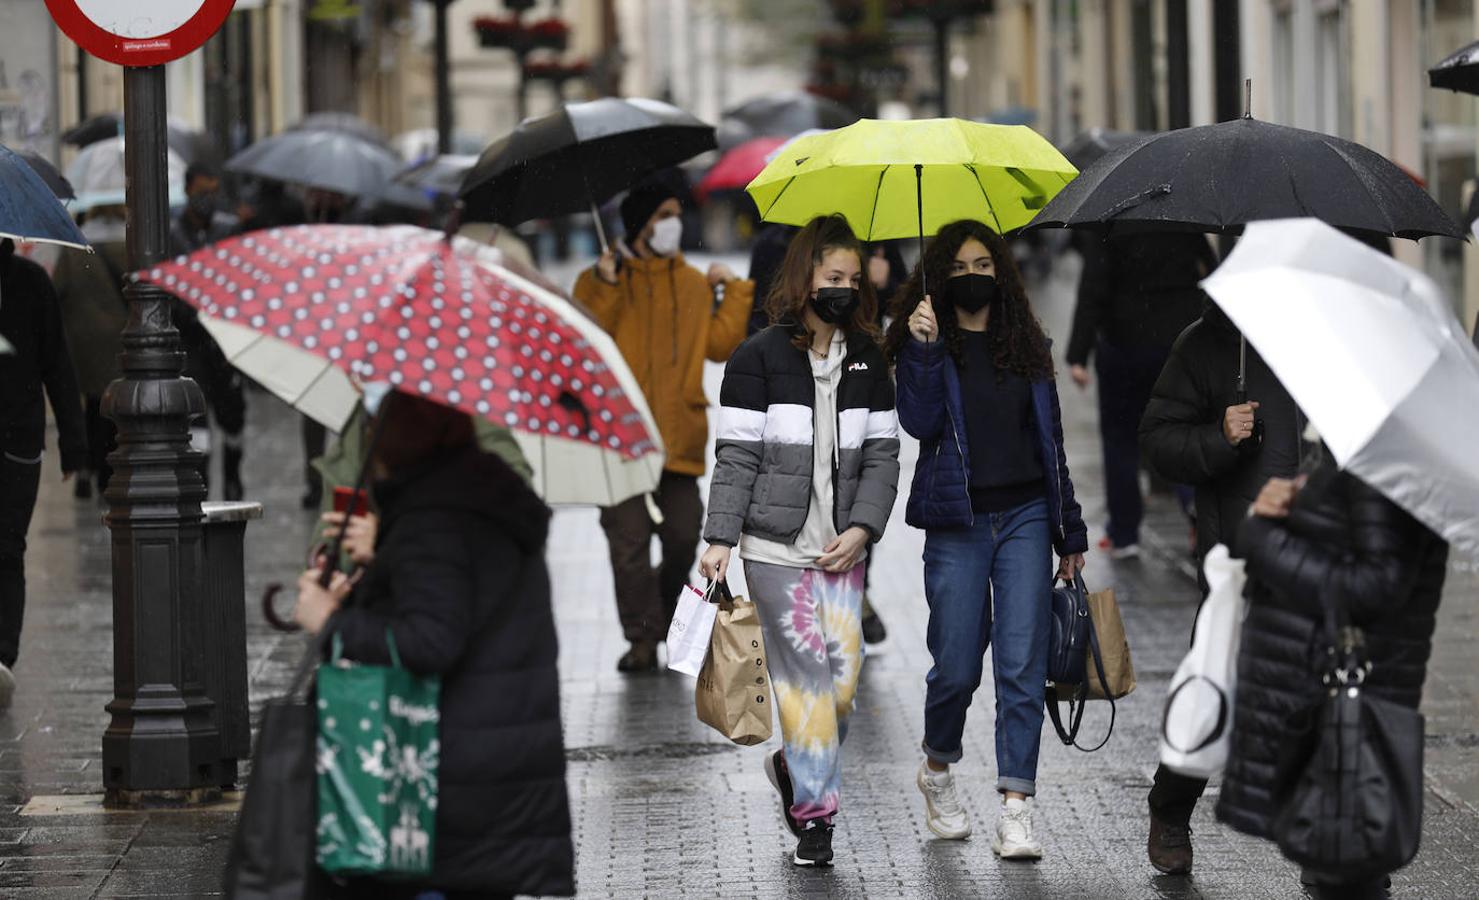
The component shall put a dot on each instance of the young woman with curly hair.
(806, 475)
(993, 494)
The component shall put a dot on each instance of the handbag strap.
(1080, 696)
(1217, 729)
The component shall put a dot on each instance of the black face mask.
(971, 293)
(835, 305)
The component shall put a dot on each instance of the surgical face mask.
(971, 293)
(835, 305)
(203, 206)
(667, 235)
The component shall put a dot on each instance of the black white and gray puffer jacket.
(762, 477)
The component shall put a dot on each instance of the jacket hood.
(473, 481)
(1213, 315)
(7, 250)
(653, 263)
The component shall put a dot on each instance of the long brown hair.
(786, 304)
(1018, 343)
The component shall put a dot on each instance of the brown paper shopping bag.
(1114, 649)
(733, 691)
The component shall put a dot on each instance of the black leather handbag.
(1072, 643)
(1351, 782)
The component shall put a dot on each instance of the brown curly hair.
(1018, 343)
(786, 304)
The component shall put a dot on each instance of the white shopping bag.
(689, 633)
(1197, 727)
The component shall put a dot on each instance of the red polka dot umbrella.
(311, 310)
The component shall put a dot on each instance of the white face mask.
(667, 235)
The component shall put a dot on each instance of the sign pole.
(161, 747)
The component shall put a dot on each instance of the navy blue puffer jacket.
(930, 408)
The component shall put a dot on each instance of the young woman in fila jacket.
(993, 494)
(806, 474)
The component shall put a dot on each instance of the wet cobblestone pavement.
(662, 808)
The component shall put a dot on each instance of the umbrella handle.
(919, 205)
(326, 576)
(600, 228)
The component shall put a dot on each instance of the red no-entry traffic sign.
(139, 32)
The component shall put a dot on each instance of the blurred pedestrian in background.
(1136, 295)
(201, 223)
(31, 320)
(1331, 540)
(89, 287)
(1198, 431)
(805, 478)
(457, 576)
(662, 313)
(993, 493)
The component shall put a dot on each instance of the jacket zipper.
(960, 452)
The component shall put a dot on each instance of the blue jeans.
(991, 579)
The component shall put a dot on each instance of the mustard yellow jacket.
(661, 313)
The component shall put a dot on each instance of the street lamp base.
(115, 798)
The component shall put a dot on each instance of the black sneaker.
(873, 630)
(780, 777)
(815, 846)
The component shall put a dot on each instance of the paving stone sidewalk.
(662, 807)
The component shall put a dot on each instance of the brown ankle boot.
(1169, 847)
(641, 658)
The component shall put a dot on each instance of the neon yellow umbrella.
(895, 179)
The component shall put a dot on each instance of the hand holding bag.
(733, 691)
(1352, 780)
(690, 630)
(378, 754)
(1196, 727)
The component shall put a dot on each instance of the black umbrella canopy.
(579, 155)
(191, 146)
(330, 160)
(55, 180)
(343, 123)
(1086, 149)
(782, 114)
(1459, 72)
(1218, 178)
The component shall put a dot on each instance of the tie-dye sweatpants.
(812, 621)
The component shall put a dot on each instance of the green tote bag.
(378, 751)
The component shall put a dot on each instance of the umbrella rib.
(789, 182)
(877, 192)
(987, 197)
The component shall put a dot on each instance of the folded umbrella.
(29, 210)
(308, 310)
(578, 156)
(897, 179)
(1459, 71)
(1372, 353)
(784, 113)
(330, 160)
(99, 176)
(739, 166)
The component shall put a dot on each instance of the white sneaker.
(1129, 551)
(7, 686)
(1014, 838)
(943, 813)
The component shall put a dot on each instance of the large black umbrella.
(577, 156)
(1217, 178)
(55, 180)
(330, 160)
(782, 114)
(1086, 149)
(1458, 72)
(344, 123)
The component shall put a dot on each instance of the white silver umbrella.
(98, 177)
(1372, 353)
(566, 472)
(5, 347)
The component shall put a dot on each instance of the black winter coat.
(1342, 540)
(1138, 291)
(31, 320)
(459, 578)
(1181, 436)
